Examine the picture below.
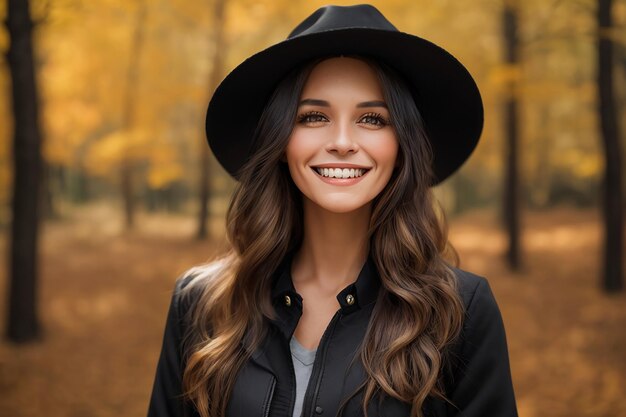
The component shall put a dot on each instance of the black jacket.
(477, 375)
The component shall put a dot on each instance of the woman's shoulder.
(472, 288)
(482, 314)
(482, 319)
(190, 285)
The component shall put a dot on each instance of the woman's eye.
(374, 119)
(312, 118)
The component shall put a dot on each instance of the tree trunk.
(127, 167)
(48, 209)
(214, 79)
(612, 187)
(511, 185)
(22, 319)
(542, 184)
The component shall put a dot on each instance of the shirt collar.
(288, 303)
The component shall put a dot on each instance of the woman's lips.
(340, 175)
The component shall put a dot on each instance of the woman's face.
(342, 150)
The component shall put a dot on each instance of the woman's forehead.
(343, 75)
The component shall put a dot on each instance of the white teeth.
(340, 173)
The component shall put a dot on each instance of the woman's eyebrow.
(314, 102)
(375, 103)
(324, 103)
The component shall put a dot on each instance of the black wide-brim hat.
(443, 90)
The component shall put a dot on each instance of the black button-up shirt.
(477, 375)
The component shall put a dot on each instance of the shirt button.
(350, 299)
(288, 301)
(319, 410)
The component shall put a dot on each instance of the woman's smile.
(341, 176)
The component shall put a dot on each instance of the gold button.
(288, 301)
(350, 299)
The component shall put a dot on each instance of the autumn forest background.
(126, 195)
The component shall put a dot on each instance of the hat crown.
(342, 17)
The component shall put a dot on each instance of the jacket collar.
(288, 303)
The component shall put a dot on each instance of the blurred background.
(108, 191)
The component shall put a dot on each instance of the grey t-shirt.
(303, 365)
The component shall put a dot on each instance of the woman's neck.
(334, 247)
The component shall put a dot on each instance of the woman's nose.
(343, 140)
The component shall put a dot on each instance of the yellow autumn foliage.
(107, 154)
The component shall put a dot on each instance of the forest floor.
(104, 294)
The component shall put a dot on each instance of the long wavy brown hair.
(418, 312)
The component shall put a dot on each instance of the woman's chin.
(339, 206)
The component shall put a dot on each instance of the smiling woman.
(342, 149)
(336, 297)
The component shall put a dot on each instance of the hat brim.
(444, 92)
